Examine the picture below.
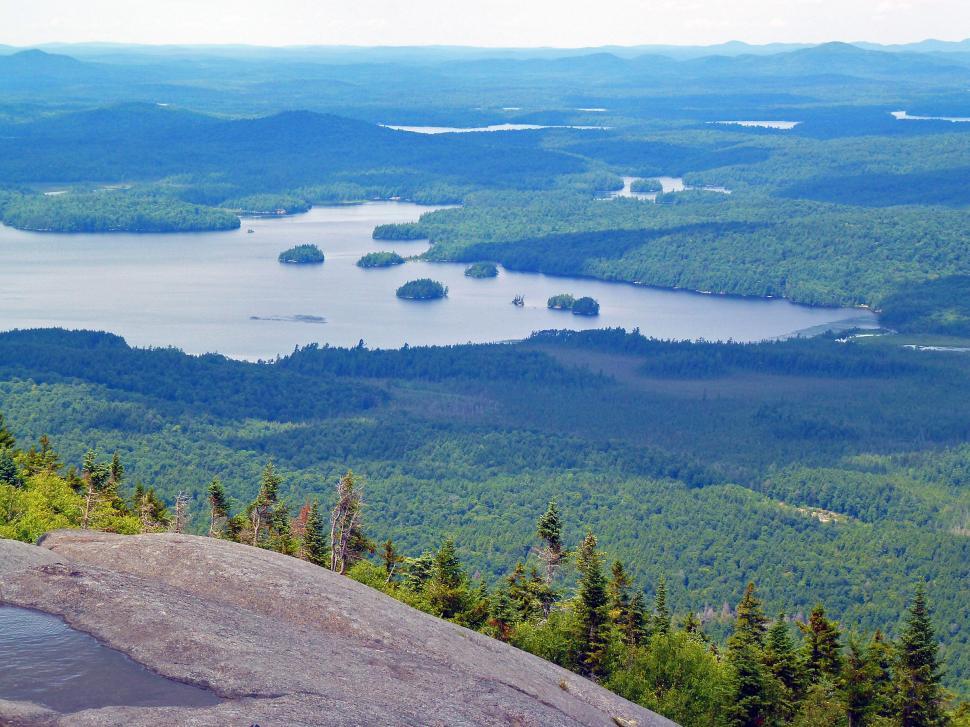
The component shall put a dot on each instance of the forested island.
(645, 186)
(306, 254)
(422, 289)
(380, 260)
(481, 271)
(584, 306)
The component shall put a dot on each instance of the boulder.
(284, 642)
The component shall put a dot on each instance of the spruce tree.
(749, 684)
(502, 614)
(549, 530)
(218, 507)
(781, 657)
(7, 440)
(880, 655)
(315, 548)
(918, 670)
(661, 614)
(625, 611)
(9, 472)
(821, 652)
(857, 685)
(391, 559)
(446, 587)
(591, 608)
(262, 508)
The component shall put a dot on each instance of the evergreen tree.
(218, 507)
(591, 608)
(447, 585)
(821, 652)
(7, 440)
(857, 685)
(418, 571)
(549, 530)
(781, 658)
(750, 688)
(625, 611)
(918, 670)
(502, 614)
(315, 548)
(661, 614)
(9, 472)
(391, 559)
(880, 655)
(262, 508)
(42, 459)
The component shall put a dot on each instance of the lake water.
(47, 662)
(667, 185)
(226, 292)
(493, 127)
(903, 116)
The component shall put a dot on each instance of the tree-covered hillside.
(822, 470)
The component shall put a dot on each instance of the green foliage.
(380, 260)
(586, 306)
(112, 211)
(918, 670)
(563, 301)
(935, 306)
(645, 186)
(422, 289)
(481, 270)
(306, 254)
(266, 204)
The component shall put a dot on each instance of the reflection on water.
(667, 185)
(46, 662)
(226, 292)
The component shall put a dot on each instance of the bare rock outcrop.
(285, 642)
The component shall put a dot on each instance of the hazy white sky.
(563, 23)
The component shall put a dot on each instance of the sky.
(508, 23)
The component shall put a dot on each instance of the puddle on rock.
(45, 661)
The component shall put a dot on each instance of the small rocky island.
(422, 289)
(481, 271)
(302, 255)
(584, 306)
(380, 260)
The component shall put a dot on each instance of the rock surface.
(283, 642)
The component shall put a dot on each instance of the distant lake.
(903, 116)
(493, 127)
(226, 292)
(667, 185)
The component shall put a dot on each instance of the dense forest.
(564, 602)
(824, 471)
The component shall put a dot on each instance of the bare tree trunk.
(181, 504)
(88, 502)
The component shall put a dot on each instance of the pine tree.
(446, 587)
(660, 624)
(42, 459)
(502, 614)
(857, 685)
(261, 509)
(821, 652)
(9, 472)
(7, 440)
(625, 611)
(218, 508)
(315, 548)
(549, 530)
(781, 658)
(391, 559)
(591, 608)
(918, 670)
(749, 684)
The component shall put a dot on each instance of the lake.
(493, 127)
(226, 292)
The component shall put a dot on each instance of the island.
(302, 255)
(563, 301)
(422, 289)
(481, 270)
(646, 186)
(584, 306)
(380, 260)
